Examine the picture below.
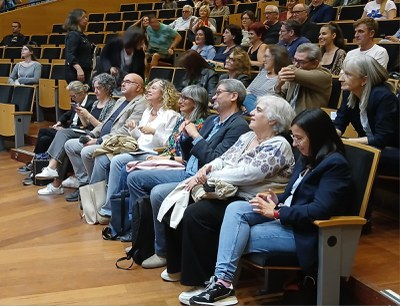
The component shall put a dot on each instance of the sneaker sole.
(45, 177)
(230, 300)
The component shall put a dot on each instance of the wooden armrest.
(159, 150)
(22, 113)
(341, 220)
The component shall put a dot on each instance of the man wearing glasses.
(186, 21)
(290, 36)
(272, 24)
(305, 84)
(309, 29)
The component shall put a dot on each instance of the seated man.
(186, 21)
(290, 36)
(309, 29)
(272, 24)
(305, 84)
(219, 132)
(16, 38)
(129, 107)
(320, 12)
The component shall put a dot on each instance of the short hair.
(334, 28)
(205, 8)
(293, 25)
(17, 22)
(187, 6)
(321, 133)
(275, 9)
(71, 23)
(258, 28)
(169, 93)
(236, 31)
(78, 86)
(208, 35)
(365, 66)
(200, 97)
(371, 24)
(251, 15)
(278, 109)
(313, 51)
(151, 16)
(242, 60)
(233, 85)
(280, 56)
(106, 81)
(133, 37)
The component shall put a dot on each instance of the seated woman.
(103, 85)
(78, 93)
(232, 38)
(257, 47)
(220, 9)
(247, 18)
(238, 67)
(318, 189)
(153, 130)
(204, 43)
(331, 41)
(204, 20)
(275, 58)
(198, 72)
(260, 159)
(28, 71)
(380, 9)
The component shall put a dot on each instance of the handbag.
(92, 198)
(213, 189)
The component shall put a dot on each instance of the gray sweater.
(25, 75)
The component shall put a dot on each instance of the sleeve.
(338, 64)
(37, 71)
(134, 113)
(14, 75)
(211, 84)
(72, 41)
(343, 114)
(382, 57)
(211, 53)
(308, 79)
(212, 24)
(164, 130)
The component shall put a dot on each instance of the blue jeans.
(157, 184)
(244, 231)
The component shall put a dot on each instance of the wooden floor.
(49, 256)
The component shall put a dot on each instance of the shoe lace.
(210, 283)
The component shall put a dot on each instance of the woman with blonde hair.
(238, 67)
(380, 9)
(204, 20)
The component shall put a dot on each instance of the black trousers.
(192, 248)
(45, 137)
(71, 75)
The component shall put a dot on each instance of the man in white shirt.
(186, 21)
(365, 30)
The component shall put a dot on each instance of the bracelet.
(276, 214)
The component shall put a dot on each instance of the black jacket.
(78, 50)
(14, 41)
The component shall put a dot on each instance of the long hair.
(30, 48)
(280, 56)
(339, 39)
(200, 97)
(242, 61)
(194, 63)
(170, 95)
(321, 133)
(73, 18)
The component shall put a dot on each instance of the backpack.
(119, 224)
(142, 233)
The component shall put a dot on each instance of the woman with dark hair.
(78, 49)
(238, 67)
(318, 189)
(124, 55)
(204, 40)
(257, 46)
(28, 71)
(220, 9)
(331, 41)
(198, 72)
(247, 18)
(232, 38)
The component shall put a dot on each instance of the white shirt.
(181, 24)
(373, 9)
(377, 52)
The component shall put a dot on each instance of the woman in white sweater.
(28, 71)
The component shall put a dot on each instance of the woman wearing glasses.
(238, 67)
(247, 18)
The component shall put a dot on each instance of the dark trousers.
(70, 74)
(45, 137)
(192, 248)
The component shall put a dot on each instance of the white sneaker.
(70, 182)
(185, 296)
(170, 277)
(50, 189)
(47, 173)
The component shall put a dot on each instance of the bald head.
(132, 86)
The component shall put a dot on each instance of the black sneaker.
(26, 169)
(28, 180)
(215, 294)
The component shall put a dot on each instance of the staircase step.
(23, 154)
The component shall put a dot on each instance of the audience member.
(129, 107)
(275, 58)
(345, 2)
(365, 30)
(28, 71)
(124, 55)
(247, 18)
(184, 22)
(257, 47)
(152, 131)
(309, 29)
(169, 4)
(162, 41)
(286, 15)
(219, 132)
(265, 158)
(220, 9)
(204, 43)
(103, 85)
(392, 38)
(78, 49)
(16, 38)
(238, 67)
(331, 42)
(319, 12)
(199, 3)
(232, 37)
(198, 72)
(290, 36)
(6, 5)
(380, 9)
(272, 24)
(72, 118)
(297, 83)
(204, 20)
(142, 23)
(371, 106)
(319, 188)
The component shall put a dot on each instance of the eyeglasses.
(232, 59)
(219, 91)
(75, 95)
(300, 62)
(297, 139)
(129, 82)
(184, 98)
(297, 12)
(245, 18)
(185, 11)
(269, 13)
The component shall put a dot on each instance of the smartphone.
(74, 105)
(84, 139)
